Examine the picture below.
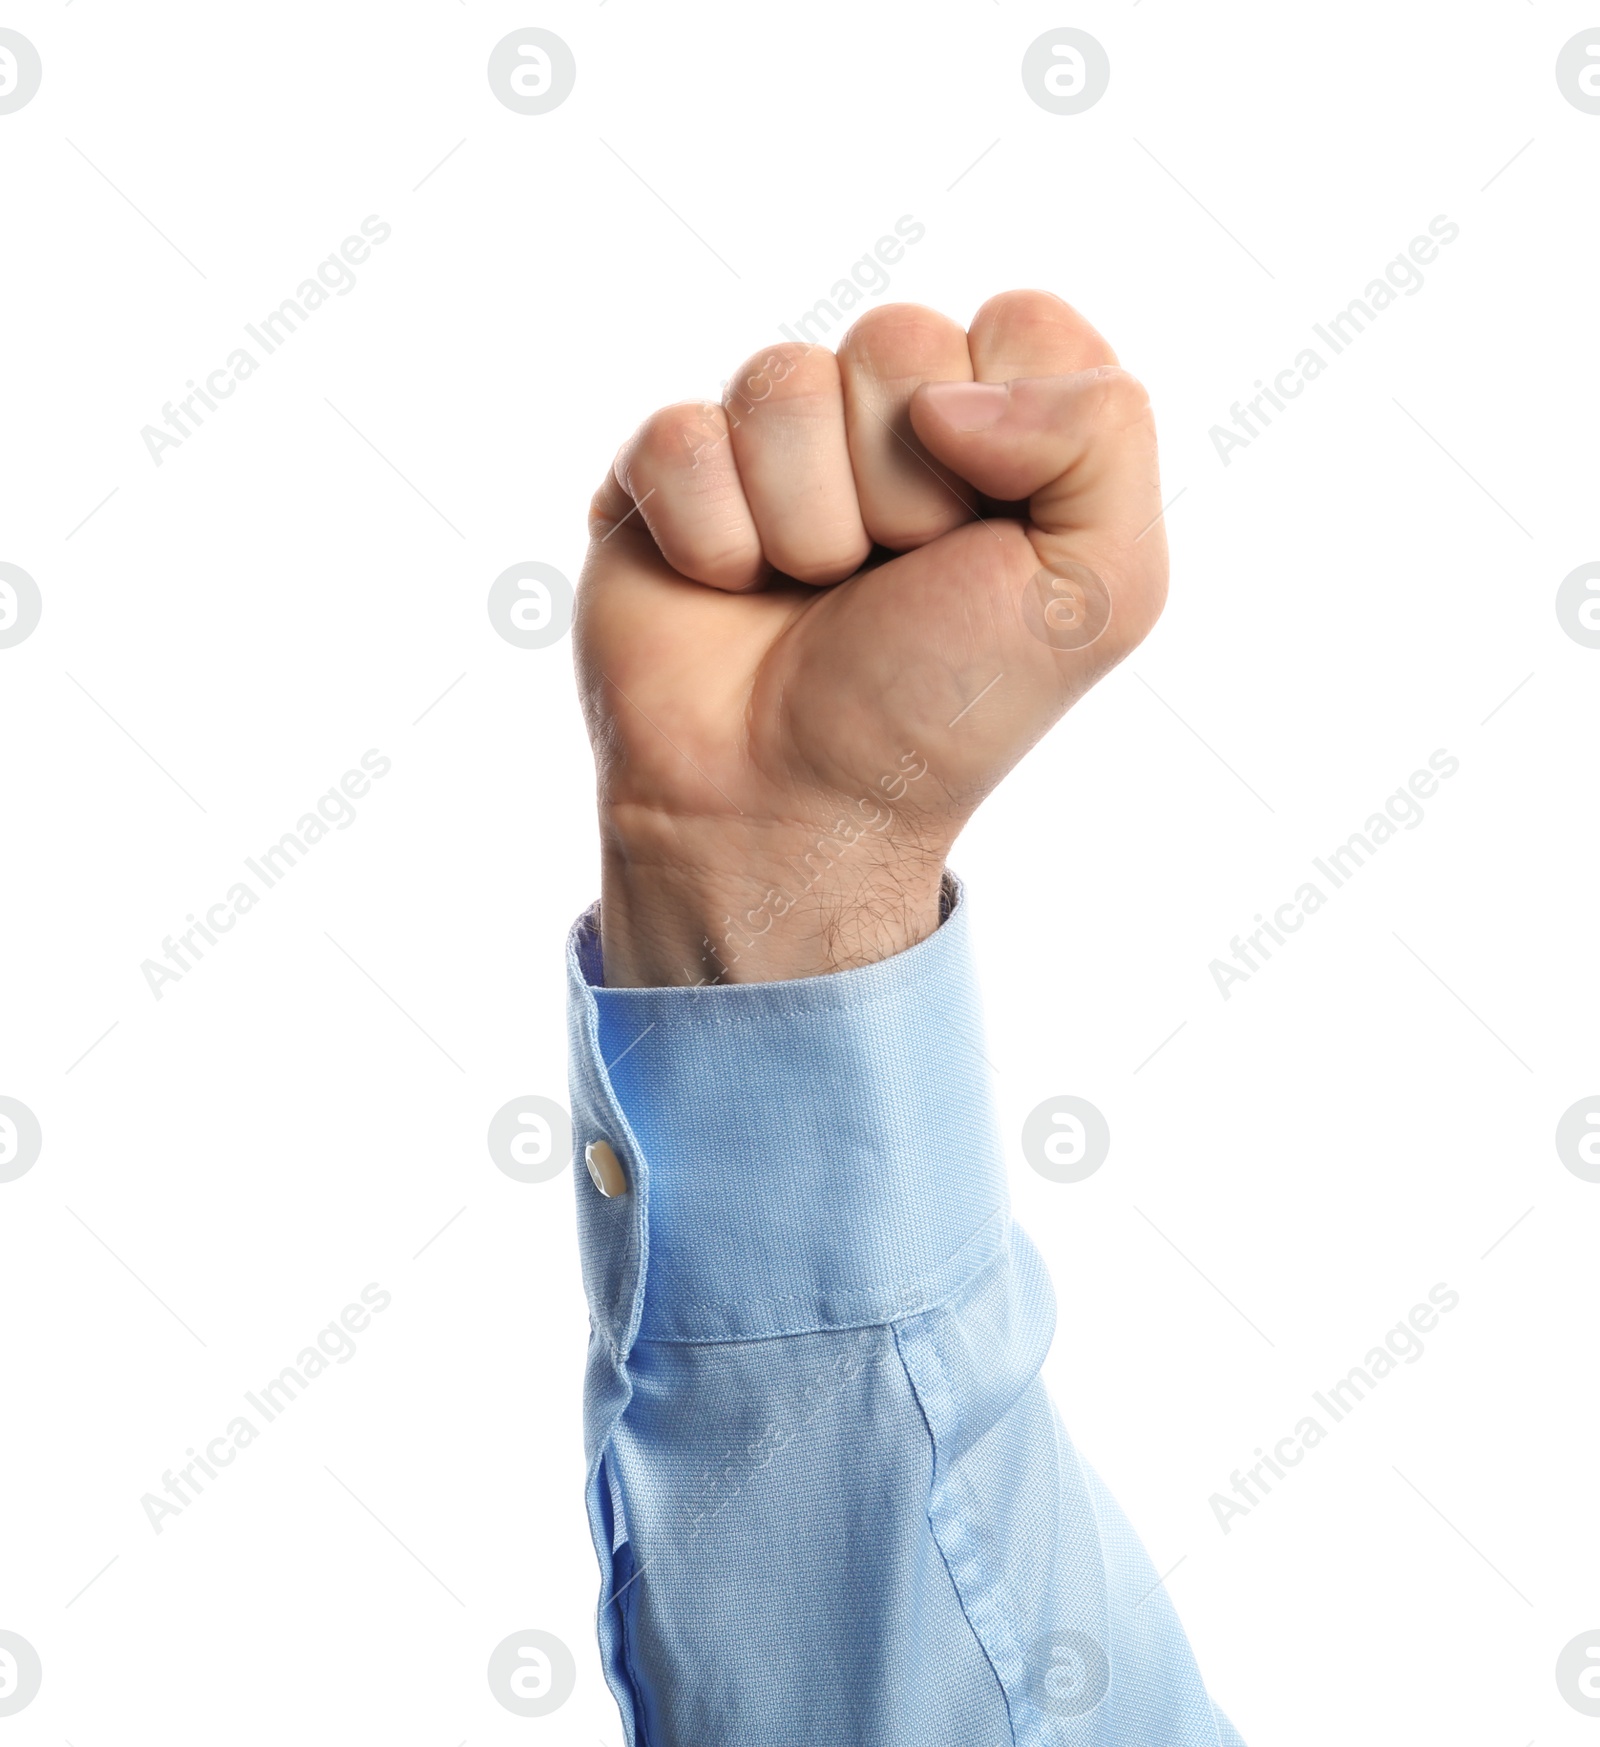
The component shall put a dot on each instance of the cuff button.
(605, 1169)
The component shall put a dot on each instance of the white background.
(225, 635)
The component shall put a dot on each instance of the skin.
(819, 622)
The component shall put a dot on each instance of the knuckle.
(1122, 396)
(1033, 319)
(600, 516)
(608, 504)
(674, 437)
(1026, 303)
(785, 371)
(900, 338)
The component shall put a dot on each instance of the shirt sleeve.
(832, 1501)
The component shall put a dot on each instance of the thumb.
(1081, 449)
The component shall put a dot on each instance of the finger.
(1032, 333)
(785, 411)
(680, 477)
(906, 497)
(1081, 449)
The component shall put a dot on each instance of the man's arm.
(819, 623)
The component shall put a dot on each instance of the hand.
(819, 623)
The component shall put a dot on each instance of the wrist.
(683, 906)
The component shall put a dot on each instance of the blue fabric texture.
(832, 1502)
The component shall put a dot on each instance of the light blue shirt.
(833, 1504)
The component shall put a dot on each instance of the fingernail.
(969, 406)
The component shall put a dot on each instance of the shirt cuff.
(812, 1154)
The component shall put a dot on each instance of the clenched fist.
(819, 622)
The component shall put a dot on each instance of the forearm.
(831, 1500)
(761, 903)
